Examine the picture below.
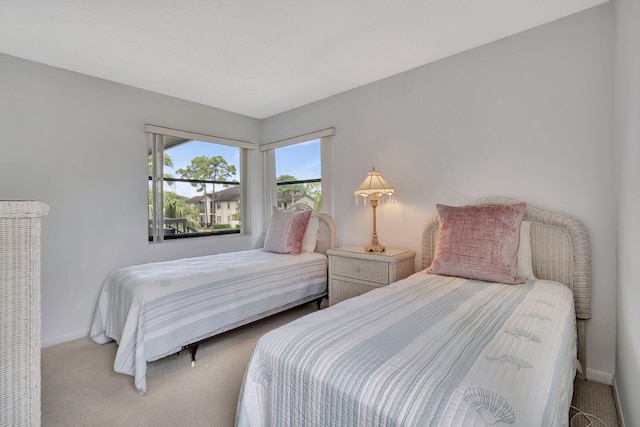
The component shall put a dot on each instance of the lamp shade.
(374, 185)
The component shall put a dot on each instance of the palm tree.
(167, 162)
(176, 207)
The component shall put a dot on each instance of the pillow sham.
(311, 234)
(525, 263)
(286, 231)
(479, 242)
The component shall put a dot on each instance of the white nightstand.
(352, 271)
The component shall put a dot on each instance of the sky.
(300, 160)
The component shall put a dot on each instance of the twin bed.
(157, 309)
(435, 349)
(431, 349)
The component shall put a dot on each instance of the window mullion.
(326, 185)
(157, 187)
(270, 186)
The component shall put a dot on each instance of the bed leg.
(319, 302)
(194, 348)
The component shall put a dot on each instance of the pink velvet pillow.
(479, 242)
(286, 231)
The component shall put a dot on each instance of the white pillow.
(311, 234)
(525, 263)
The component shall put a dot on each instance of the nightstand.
(353, 272)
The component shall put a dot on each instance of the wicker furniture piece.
(353, 272)
(20, 306)
(560, 252)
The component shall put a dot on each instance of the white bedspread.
(152, 310)
(426, 351)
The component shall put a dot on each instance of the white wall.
(78, 144)
(530, 116)
(627, 108)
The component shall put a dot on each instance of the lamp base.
(375, 248)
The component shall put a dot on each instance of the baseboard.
(616, 397)
(64, 338)
(599, 377)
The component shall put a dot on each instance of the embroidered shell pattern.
(523, 334)
(510, 361)
(544, 302)
(536, 316)
(261, 373)
(492, 407)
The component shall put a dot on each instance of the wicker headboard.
(560, 252)
(326, 234)
(559, 246)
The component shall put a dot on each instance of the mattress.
(425, 351)
(153, 310)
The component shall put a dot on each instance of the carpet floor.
(80, 388)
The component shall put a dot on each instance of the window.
(299, 170)
(298, 174)
(187, 173)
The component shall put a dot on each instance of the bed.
(157, 309)
(435, 349)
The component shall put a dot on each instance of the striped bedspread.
(152, 310)
(426, 351)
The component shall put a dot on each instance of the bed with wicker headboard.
(155, 309)
(435, 349)
(560, 252)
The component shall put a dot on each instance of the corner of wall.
(599, 377)
(616, 397)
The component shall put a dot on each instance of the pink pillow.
(286, 231)
(479, 242)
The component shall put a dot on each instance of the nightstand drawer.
(360, 269)
(341, 290)
(353, 272)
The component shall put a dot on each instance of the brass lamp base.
(375, 245)
(375, 248)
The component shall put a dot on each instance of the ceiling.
(259, 57)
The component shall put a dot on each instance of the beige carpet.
(596, 399)
(79, 387)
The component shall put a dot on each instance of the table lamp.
(374, 188)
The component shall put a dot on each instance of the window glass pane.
(198, 176)
(298, 174)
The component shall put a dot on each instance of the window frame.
(155, 144)
(326, 185)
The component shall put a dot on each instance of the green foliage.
(168, 162)
(219, 226)
(205, 168)
(311, 189)
(314, 190)
(214, 168)
(298, 189)
(175, 206)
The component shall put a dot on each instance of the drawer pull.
(357, 268)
